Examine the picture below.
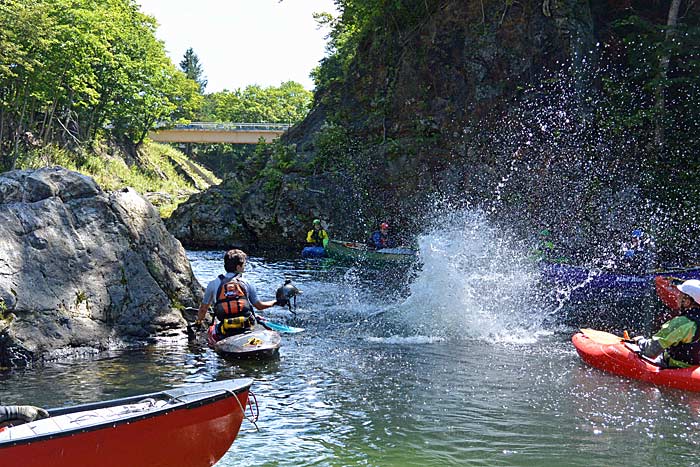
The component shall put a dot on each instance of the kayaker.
(233, 298)
(638, 253)
(678, 339)
(317, 236)
(16, 414)
(380, 238)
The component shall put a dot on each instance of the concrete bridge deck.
(231, 133)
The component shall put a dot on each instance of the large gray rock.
(82, 269)
(210, 220)
(250, 217)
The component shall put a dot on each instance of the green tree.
(71, 70)
(193, 69)
(288, 103)
(651, 90)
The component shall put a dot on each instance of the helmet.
(691, 287)
(286, 292)
(383, 225)
(637, 233)
(544, 232)
(316, 221)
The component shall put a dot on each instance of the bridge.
(231, 133)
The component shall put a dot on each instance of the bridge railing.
(229, 126)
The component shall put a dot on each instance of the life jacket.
(688, 353)
(316, 237)
(382, 240)
(232, 308)
(231, 299)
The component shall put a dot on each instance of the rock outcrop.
(231, 215)
(406, 114)
(517, 108)
(82, 269)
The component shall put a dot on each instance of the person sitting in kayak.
(18, 414)
(317, 236)
(233, 298)
(380, 238)
(638, 253)
(678, 339)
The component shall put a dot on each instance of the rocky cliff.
(83, 269)
(492, 104)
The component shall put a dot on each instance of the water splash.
(475, 282)
(576, 163)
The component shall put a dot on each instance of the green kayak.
(353, 251)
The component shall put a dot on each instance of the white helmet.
(691, 287)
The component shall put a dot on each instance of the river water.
(452, 363)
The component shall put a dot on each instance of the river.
(452, 363)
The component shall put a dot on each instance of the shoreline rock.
(83, 268)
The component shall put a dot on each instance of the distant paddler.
(380, 239)
(316, 241)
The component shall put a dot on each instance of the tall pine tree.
(193, 69)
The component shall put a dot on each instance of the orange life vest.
(231, 300)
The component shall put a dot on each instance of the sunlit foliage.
(72, 69)
(288, 103)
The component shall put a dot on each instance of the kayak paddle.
(279, 327)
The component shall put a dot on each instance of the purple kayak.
(581, 282)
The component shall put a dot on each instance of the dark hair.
(232, 258)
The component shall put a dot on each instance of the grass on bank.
(161, 173)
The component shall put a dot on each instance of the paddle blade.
(601, 337)
(282, 327)
(279, 327)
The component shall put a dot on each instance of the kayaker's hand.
(198, 325)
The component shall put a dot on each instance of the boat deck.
(71, 421)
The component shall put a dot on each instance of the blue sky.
(244, 42)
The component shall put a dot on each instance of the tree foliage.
(193, 69)
(288, 103)
(358, 19)
(73, 69)
(659, 67)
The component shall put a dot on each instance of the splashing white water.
(475, 282)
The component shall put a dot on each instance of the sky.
(244, 42)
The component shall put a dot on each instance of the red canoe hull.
(188, 436)
(619, 360)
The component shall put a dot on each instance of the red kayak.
(667, 291)
(191, 426)
(609, 353)
(669, 294)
